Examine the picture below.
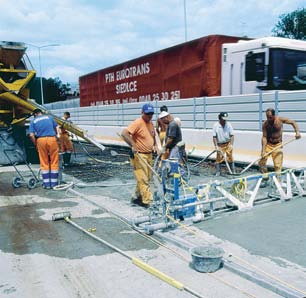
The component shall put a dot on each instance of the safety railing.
(246, 111)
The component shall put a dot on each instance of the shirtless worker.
(272, 134)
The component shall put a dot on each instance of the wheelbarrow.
(19, 180)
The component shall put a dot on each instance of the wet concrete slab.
(43, 258)
(276, 230)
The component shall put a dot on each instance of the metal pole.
(185, 20)
(40, 68)
(41, 82)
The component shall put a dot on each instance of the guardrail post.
(194, 113)
(276, 102)
(260, 111)
(204, 111)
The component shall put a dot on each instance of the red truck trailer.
(208, 66)
(190, 69)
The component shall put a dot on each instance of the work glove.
(162, 150)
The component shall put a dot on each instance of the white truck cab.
(270, 63)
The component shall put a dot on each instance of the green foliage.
(292, 25)
(53, 88)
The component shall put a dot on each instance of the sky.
(93, 34)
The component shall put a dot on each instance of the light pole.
(39, 61)
(185, 20)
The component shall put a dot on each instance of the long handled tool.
(204, 159)
(266, 154)
(139, 263)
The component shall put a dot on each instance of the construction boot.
(264, 183)
(217, 170)
(232, 166)
(67, 157)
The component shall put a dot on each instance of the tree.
(292, 25)
(54, 90)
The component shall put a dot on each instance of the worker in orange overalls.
(43, 131)
(140, 136)
(66, 146)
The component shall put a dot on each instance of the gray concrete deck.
(43, 258)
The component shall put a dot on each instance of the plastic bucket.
(206, 258)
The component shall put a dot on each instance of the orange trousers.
(65, 143)
(49, 161)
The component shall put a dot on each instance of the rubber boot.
(64, 159)
(68, 158)
(217, 169)
(232, 166)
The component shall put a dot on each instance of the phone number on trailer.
(165, 95)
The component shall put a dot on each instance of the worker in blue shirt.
(43, 130)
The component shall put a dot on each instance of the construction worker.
(272, 133)
(161, 127)
(66, 146)
(43, 131)
(223, 139)
(173, 136)
(140, 136)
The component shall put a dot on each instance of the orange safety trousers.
(49, 160)
(65, 143)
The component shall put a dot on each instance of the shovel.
(266, 154)
(115, 153)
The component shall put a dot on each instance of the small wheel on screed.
(31, 183)
(16, 182)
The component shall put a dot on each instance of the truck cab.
(270, 63)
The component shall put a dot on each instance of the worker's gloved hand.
(162, 150)
(230, 147)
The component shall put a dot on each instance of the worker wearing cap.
(43, 130)
(173, 136)
(140, 136)
(223, 139)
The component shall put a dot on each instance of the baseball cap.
(223, 115)
(163, 114)
(148, 108)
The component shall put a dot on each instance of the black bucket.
(206, 258)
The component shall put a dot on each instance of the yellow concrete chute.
(14, 75)
(29, 106)
(15, 104)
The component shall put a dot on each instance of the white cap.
(178, 121)
(163, 114)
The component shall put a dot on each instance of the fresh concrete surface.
(247, 145)
(42, 258)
